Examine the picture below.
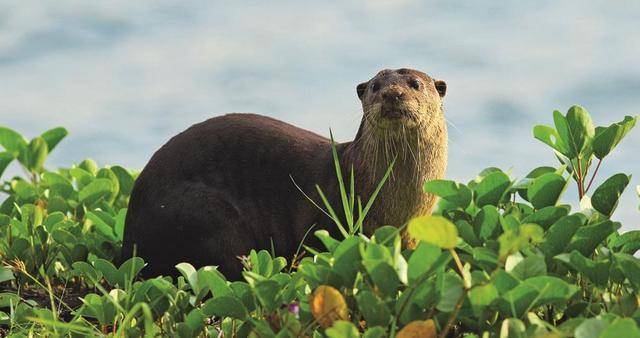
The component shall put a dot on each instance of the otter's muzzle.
(392, 98)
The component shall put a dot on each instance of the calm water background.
(125, 76)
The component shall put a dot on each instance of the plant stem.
(580, 179)
(454, 315)
(458, 262)
(594, 175)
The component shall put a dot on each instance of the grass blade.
(334, 217)
(375, 194)
(343, 191)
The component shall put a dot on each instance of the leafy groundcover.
(500, 257)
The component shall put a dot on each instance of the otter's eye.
(415, 84)
(375, 87)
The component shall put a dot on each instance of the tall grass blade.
(343, 191)
(375, 194)
(334, 217)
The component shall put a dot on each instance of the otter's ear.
(360, 89)
(441, 87)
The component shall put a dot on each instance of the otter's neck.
(420, 155)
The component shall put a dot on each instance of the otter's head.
(401, 99)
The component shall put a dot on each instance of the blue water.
(125, 76)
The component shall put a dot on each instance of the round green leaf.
(12, 141)
(101, 187)
(453, 192)
(609, 137)
(435, 230)
(482, 296)
(606, 197)
(546, 190)
(5, 159)
(581, 129)
(550, 136)
(491, 189)
(342, 329)
(37, 152)
(53, 136)
(225, 306)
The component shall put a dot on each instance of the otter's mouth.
(391, 116)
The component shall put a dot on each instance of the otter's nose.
(392, 95)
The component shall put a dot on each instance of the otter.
(236, 182)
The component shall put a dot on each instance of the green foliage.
(500, 257)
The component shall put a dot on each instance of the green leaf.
(191, 275)
(481, 297)
(503, 281)
(89, 166)
(6, 274)
(591, 328)
(225, 306)
(628, 242)
(37, 152)
(215, 281)
(5, 159)
(375, 332)
(384, 276)
(630, 267)
(118, 228)
(581, 130)
(606, 197)
(512, 241)
(535, 292)
(451, 191)
(491, 189)
(245, 293)
(53, 136)
(550, 136)
(87, 271)
(608, 138)
(100, 224)
(531, 266)
(546, 190)
(125, 179)
(342, 329)
(545, 217)
(422, 260)
(99, 188)
(467, 233)
(559, 235)
(12, 141)
(374, 311)
(487, 222)
(513, 328)
(347, 260)
(329, 242)
(58, 184)
(115, 184)
(435, 230)
(108, 270)
(129, 270)
(266, 292)
(595, 271)
(450, 288)
(195, 321)
(621, 327)
(588, 237)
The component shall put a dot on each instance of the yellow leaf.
(435, 230)
(418, 329)
(328, 305)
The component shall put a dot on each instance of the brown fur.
(224, 186)
(419, 140)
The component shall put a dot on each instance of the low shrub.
(498, 258)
